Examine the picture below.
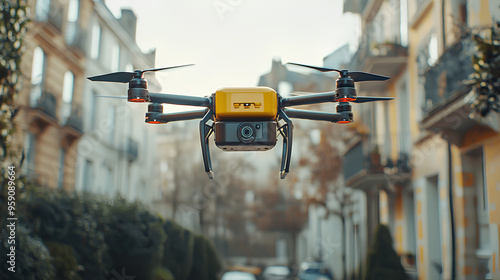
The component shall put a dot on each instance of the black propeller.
(125, 77)
(355, 75)
(106, 96)
(363, 99)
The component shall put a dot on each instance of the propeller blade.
(165, 68)
(117, 77)
(120, 97)
(125, 77)
(363, 99)
(363, 77)
(322, 69)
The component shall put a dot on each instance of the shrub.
(84, 236)
(383, 263)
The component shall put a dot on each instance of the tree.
(485, 80)
(383, 263)
(84, 236)
(326, 169)
(12, 30)
(280, 211)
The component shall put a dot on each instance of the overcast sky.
(232, 42)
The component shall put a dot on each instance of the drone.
(246, 118)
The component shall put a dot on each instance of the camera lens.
(246, 132)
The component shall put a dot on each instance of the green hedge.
(85, 236)
(383, 263)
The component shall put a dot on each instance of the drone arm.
(311, 115)
(181, 116)
(308, 99)
(287, 134)
(180, 99)
(205, 131)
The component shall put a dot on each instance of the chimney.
(129, 22)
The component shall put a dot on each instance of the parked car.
(314, 271)
(277, 272)
(238, 275)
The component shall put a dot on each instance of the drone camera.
(245, 136)
(246, 103)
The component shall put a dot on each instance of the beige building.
(50, 120)
(73, 140)
(447, 154)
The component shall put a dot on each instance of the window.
(60, 178)
(92, 110)
(403, 107)
(37, 76)
(67, 98)
(29, 153)
(87, 175)
(432, 50)
(111, 127)
(42, 10)
(115, 58)
(109, 188)
(404, 22)
(96, 41)
(428, 55)
(72, 26)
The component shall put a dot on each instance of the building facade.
(434, 183)
(117, 153)
(71, 139)
(53, 64)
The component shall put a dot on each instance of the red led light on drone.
(137, 100)
(344, 122)
(346, 99)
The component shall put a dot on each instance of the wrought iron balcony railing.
(443, 82)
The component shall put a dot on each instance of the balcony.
(398, 171)
(132, 149)
(386, 58)
(445, 109)
(73, 126)
(362, 171)
(42, 111)
(76, 37)
(366, 8)
(50, 12)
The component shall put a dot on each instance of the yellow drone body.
(249, 103)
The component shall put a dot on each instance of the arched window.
(37, 76)
(67, 97)
(73, 10)
(72, 26)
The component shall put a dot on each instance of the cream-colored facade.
(50, 120)
(447, 151)
(71, 139)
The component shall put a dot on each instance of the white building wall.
(110, 124)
